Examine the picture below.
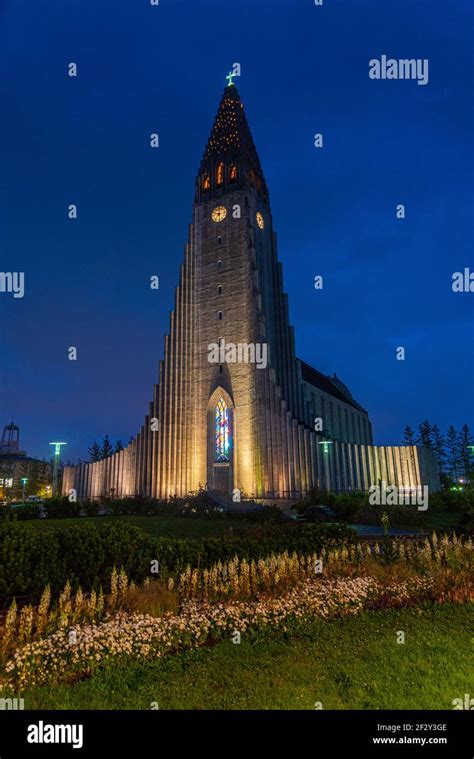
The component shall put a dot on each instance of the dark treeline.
(454, 450)
(98, 452)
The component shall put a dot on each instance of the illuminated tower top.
(230, 158)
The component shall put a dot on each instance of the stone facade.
(230, 342)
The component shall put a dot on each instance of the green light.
(57, 454)
(229, 77)
(57, 448)
(325, 444)
(24, 480)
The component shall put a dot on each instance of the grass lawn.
(186, 527)
(353, 663)
(157, 526)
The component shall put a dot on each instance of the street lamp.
(325, 444)
(57, 454)
(24, 480)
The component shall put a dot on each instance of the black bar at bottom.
(220, 733)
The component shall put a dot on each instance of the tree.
(38, 474)
(425, 435)
(439, 448)
(408, 436)
(118, 446)
(95, 452)
(465, 443)
(107, 449)
(452, 451)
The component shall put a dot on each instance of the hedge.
(85, 554)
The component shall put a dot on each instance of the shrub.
(20, 513)
(467, 522)
(452, 500)
(348, 507)
(317, 497)
(61, 508)
(85, 554)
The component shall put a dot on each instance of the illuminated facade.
(234, 408)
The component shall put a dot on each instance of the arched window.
(220, 174)
(206, 182)
(222, 431)
(233, 173)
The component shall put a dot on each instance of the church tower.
(229, 338)
(234, 409)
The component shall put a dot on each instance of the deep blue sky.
(304, 70)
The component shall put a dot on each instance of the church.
(235, 410)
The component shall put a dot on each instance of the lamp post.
(24, 480)
(326, 463)
(325, 444)
(57, 455)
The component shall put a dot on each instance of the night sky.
(144, 69)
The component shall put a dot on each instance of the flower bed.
(68, 655)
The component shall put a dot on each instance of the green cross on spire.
(230, 76)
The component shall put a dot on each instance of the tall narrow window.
(219, 315)
(222, 431)
(233, 173)
(220, 174)
(206, 182)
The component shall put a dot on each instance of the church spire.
(230, 158)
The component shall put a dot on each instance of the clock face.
(219, 213)
(260, 220)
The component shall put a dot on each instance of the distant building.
(10, 445)
(15, 465)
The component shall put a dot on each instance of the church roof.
(230, 139)
(327, 384)
(230, 131)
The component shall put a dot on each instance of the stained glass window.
(222, 431)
